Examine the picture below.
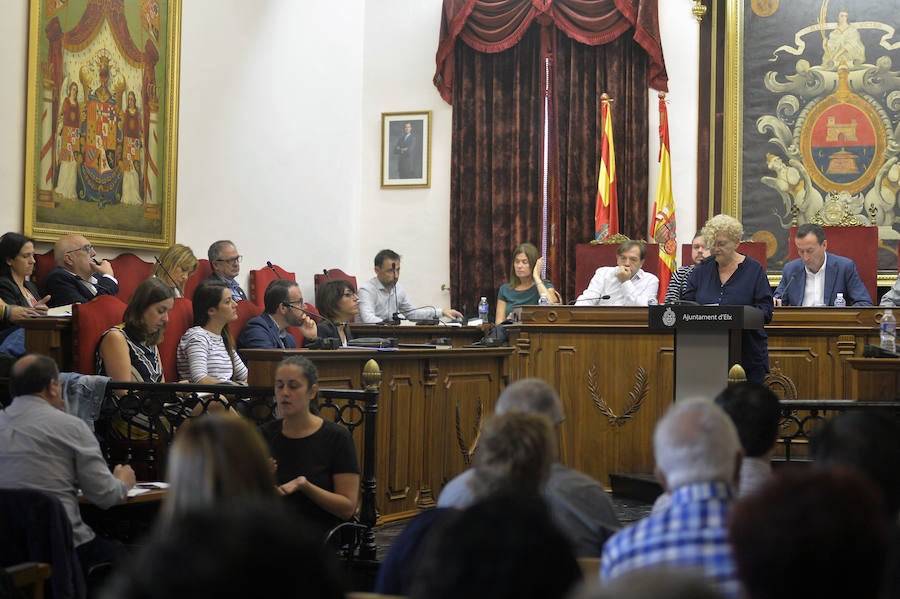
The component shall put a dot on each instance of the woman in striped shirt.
(206, 353)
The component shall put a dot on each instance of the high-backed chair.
(755, 249)
(246, 311)
(859, 244)
(181, 318)
(589, 257)
(89, 321)
(204, 270)
(260, 279)
(43, 264)
(130, 271)
(330, 274)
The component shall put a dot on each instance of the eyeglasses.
(235, 260)
(296, 305)
(87, 249)
(349, 294)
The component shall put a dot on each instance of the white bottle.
(543, 301)
(483, 310)
(888, 331)
(839, 301)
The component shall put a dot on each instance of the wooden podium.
(707, 343)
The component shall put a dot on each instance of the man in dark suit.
(283, 301)
(406, 150)
(816, 277)
(78, 278)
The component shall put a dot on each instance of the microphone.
(269, 265)
(602, 298)
(785, 290)
(396, 316)
(326, 273)
(314, 316)
(166, 271)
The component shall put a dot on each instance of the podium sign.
(707, 343)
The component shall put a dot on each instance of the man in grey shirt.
(43, 448)
(578, 504)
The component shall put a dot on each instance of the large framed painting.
(405, 149)
(102, 121)
(810, 128)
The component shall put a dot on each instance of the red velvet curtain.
(490, 65)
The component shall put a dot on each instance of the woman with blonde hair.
(733, 279)
(174, 267)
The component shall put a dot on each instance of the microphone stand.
(167, 273)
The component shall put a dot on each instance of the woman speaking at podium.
(728, 278)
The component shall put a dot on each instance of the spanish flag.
(606, 214)
(662, 229)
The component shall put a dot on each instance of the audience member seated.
(733, 279)
(816, 277)
(174, 267)
(504, 546)
(316, 464)
(811, 532)
(676, 284)
(525, 286)
(216, 459)
(892, 297)
(755, 411)
(698, 457)
(513, 458)
(206, 353)
(234, 549)
(626, 284)
(129, 352)
(578, 504)
(653, 583)
(226, 265)
(42, 447)
(338, 302)
(16, 265)
(382, 296)
(870, 442)
(284, 303)
(78, 277)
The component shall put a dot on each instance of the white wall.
(280, 132)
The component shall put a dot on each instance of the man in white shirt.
(625, 284)
(382, 296)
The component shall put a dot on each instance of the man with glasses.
(625, 284)
(78, 277)
(382, 297)
(284, 308)
(226, 265)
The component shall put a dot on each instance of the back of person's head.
(277, 293)
(500, 547)
(31, 374)
(514, 454)
(755, 411)
(653, 583)
(696, 442)
(235, 549)
(10, 245)
(533, 396)
(329, 295)
(822, 525)
(149, 292)
(215, 250)
(869, 441)
(383, 255)
(216, 458)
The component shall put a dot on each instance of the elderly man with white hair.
(698, 458)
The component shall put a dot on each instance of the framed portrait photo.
(405, 149)
(102, 121)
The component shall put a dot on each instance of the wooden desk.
(459, 336)
(51, 336)
(126, 521)
(875, 379)
(431, 406)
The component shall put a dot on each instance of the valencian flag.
(606, 214)
(662, 229)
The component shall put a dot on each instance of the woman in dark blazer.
(16, 265)
(338, 302)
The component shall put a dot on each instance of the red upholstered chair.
(589, 257)
(44, 263)
(330, 274)
(203, 272)
(246, 311)
(89, 321)
(260, 279)
(860, 244)
(754, 249)
(181, 318)
(130, 271)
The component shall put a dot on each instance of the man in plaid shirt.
(698, 458)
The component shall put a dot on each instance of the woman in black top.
(338, 302)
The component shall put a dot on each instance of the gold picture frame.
(101, 149)
(405, 149)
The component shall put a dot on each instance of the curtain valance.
(497, 25)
